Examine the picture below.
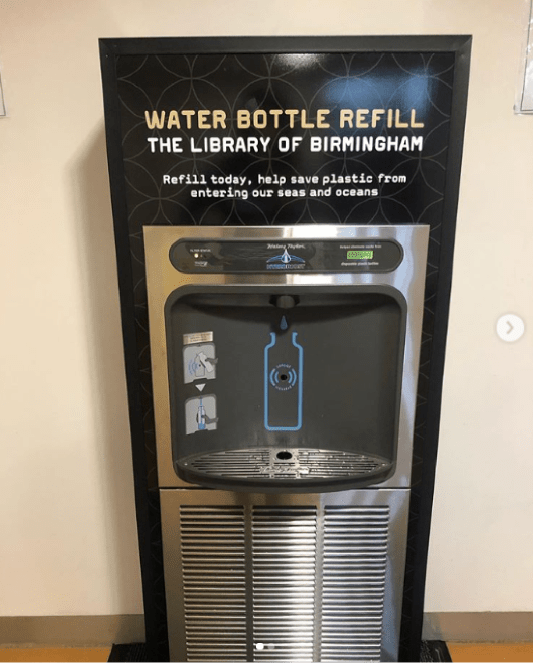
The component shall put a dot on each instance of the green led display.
(360, 255)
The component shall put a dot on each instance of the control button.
(510, 327)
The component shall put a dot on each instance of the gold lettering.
(346, 117)
(292, 114)
(173, 120)
(202, 119)
(243, 119)
(154, 121)
(360, 117)
(275, 112)
(320, 114)
(376, 116)
(219, 119)
(188, 115)
(414, 123)
(398, 123)
(260, 119)
(305, 124)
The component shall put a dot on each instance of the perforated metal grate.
(283, 463)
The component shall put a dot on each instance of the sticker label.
(200, 414)
(199, 337)
(199, 362)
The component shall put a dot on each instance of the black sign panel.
(285, 138)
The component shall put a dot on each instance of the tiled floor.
(70, 654)
(459, 651)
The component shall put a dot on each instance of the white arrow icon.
(510, 327)
(200, 387)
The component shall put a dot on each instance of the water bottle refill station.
(285, 379)
(284, 211)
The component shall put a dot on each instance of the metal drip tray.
(281, 464)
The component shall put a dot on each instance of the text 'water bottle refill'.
(291, 359)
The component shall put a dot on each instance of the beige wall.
(66, 515)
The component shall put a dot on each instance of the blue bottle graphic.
(283, 382)
(200, 416)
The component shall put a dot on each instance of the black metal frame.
(146, 500)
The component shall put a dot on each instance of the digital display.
(360, 255)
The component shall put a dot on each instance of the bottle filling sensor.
(285, 364)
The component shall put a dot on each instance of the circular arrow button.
(510, 327)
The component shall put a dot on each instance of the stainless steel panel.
(408, 278)
(265, 577)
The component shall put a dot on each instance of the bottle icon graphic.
(283, 383)
(200, 416)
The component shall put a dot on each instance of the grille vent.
(214, 582)
(284, 582)
(354, 567)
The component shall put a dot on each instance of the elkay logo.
(285, 261)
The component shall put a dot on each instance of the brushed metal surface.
(353, 585)
(266, 577)
(214, 582)
(284, 561)
(408, 278)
